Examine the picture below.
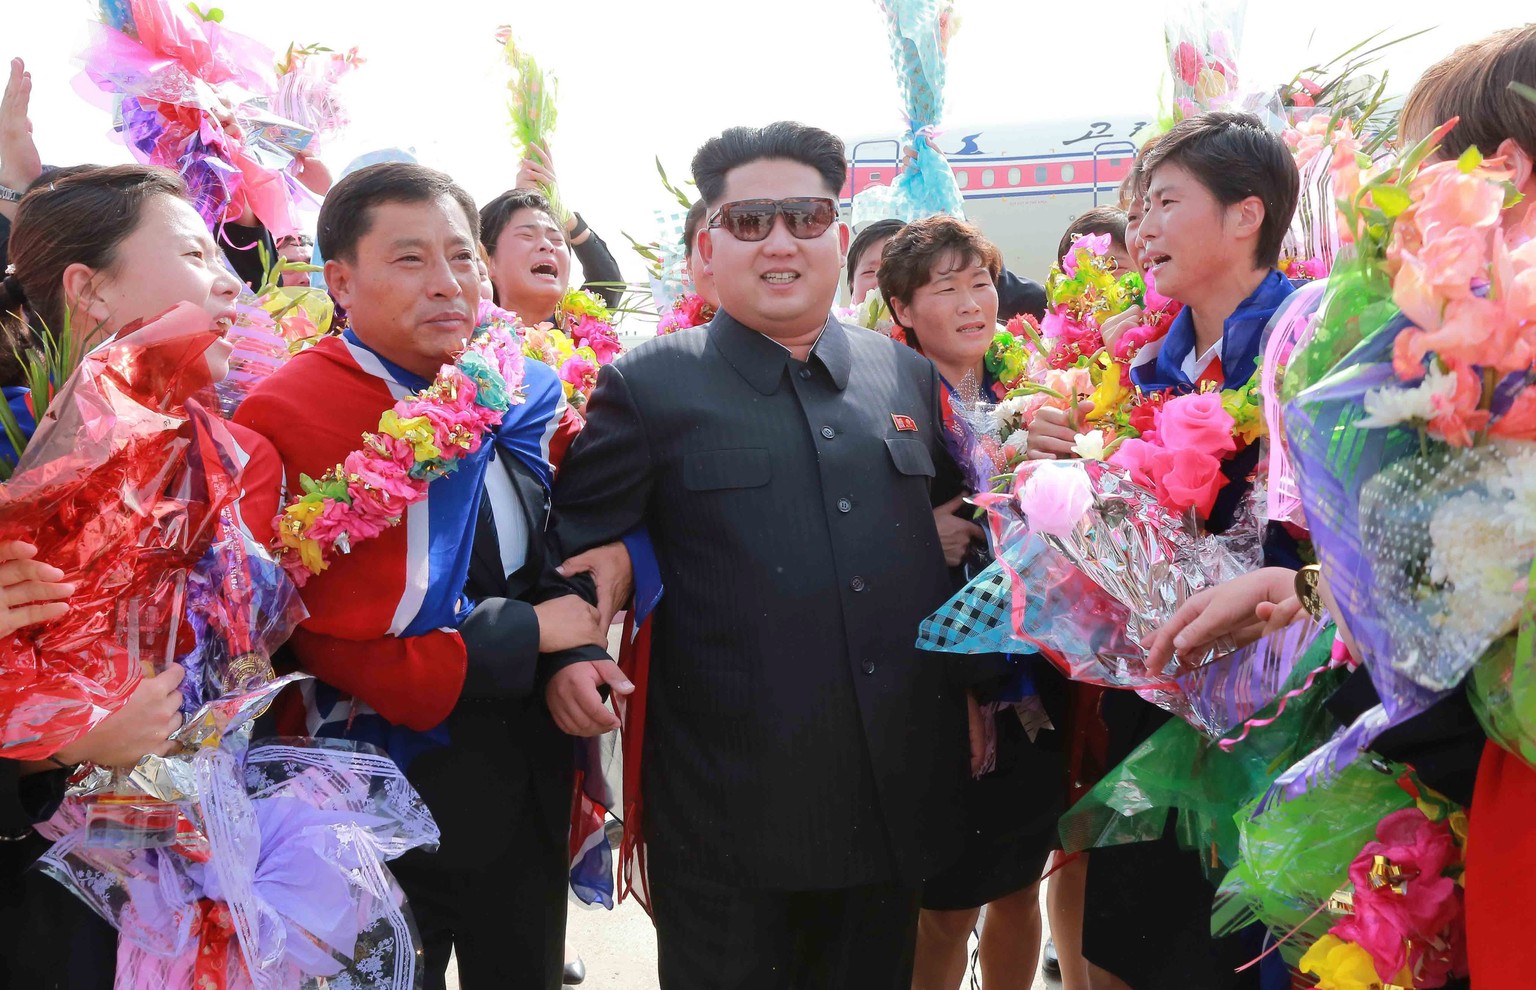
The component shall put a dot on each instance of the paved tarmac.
(619, 949)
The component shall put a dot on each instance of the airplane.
(1022, 184)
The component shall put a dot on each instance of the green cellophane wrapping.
(1502, 687)
(1295, 854)
(1179, 769)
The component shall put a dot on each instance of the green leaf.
(1470, 159)
(1393, 200)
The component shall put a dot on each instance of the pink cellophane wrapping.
(91, 493)
(166, 73)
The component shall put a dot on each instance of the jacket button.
(805, 373)
(844, 505)
(828, 432)
(857, 584)
(868, 667)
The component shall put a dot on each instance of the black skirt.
(1011, 818)
(1147, 907)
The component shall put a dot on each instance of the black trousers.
(49, 939)
(505, 919)
(713, 937)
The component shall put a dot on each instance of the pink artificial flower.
(1135, 456)
(380, 492)
(1095, 244)
(593, 333)
(1417, 927)
(1054, 497)
(1187, 63)
(1197, 422)
(1186, 478)
(691, 311)
(579, 372)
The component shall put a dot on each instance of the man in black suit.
(803, 762)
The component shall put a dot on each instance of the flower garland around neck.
(421, 438)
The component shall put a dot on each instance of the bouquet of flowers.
(1358, 880)
(1091, 563)
(531, 104)
(309, 88)
(1408, 423)
(919, 33)
(94, 491)
(584, 341)
(271, 325)
(1202, 42)
(190, 94)
(273, 875)
(873, 314)
(1063, 359)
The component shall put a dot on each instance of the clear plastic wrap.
(279, 878)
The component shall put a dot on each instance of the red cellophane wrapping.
(102, 493)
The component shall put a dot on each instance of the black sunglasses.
(752, 219)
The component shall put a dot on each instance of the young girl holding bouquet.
(1219, 194)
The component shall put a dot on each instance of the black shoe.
(575, 972)
(1050, 966)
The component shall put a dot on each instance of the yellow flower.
(1109, 396)
(297, 519)
(1340, 965)
(1242, 405)
(417, 431)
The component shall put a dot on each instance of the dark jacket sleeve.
(501, 639)
(1017, 295)
(599, 269)
(605, 482)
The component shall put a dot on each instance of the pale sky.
(639, 80)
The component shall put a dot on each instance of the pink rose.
(1055, 496)
(1196, 422)
(1186, 478)
(1135, 456)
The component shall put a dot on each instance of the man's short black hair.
(495, 215)
(1235, 156)
(877, 231)
(347, 214)
(691, 225)
(786, 139)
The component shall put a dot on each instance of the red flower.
(1143, 416)
(1187, 479)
